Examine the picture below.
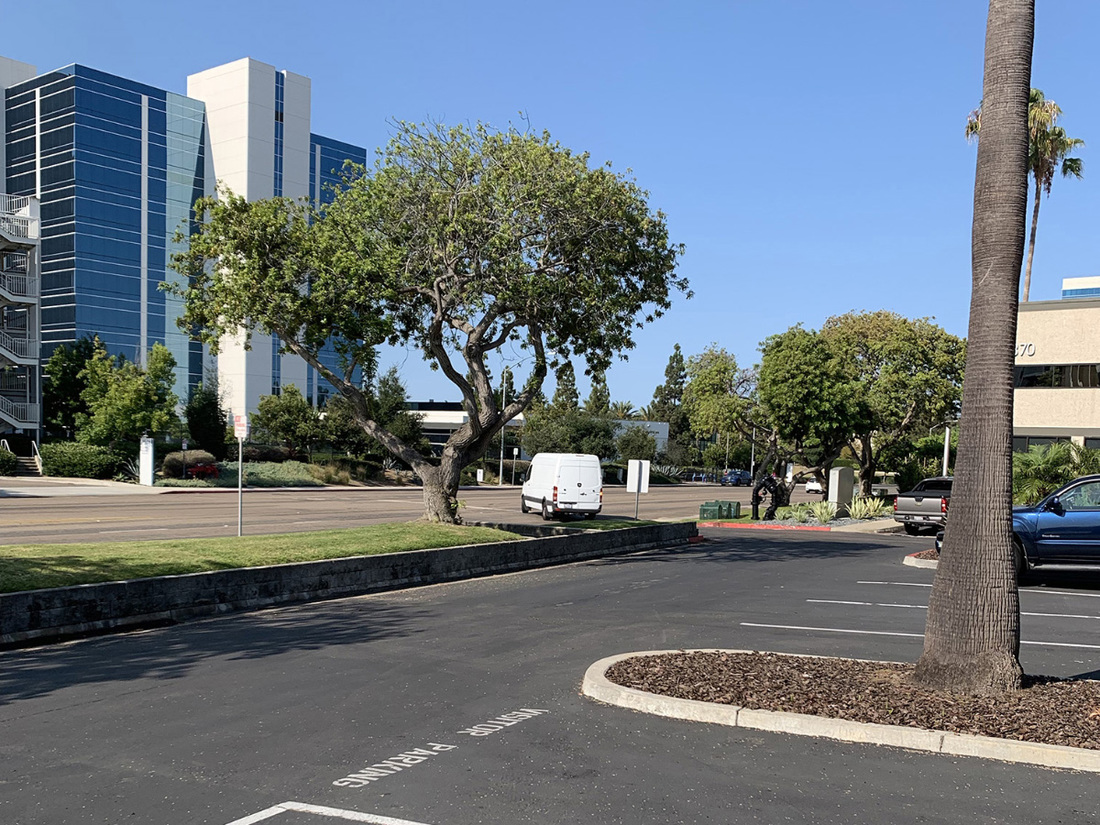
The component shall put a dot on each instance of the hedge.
(72, 460)
(8, 463)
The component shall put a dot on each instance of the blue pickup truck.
(1062, 529)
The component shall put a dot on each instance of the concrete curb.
(33, 616)
(913, 561)
(598, 687)
(873, 526)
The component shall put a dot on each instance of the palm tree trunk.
(1031, 242)
(972, 634)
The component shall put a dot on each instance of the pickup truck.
(925, 506)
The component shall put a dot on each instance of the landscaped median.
(1051, 722)
(81, 589)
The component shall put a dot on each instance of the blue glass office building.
(117, 165)
(326, 163)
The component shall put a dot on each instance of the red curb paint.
(696, 539)
(727, 524)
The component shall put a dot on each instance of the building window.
(1061, 376)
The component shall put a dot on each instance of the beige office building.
(1057, 379)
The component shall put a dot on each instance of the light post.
(946, 440)
(503, 404)
(515, 455)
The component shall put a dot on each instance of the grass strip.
(36, 566)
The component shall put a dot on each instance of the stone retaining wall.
(48, 615)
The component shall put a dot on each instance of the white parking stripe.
(321, 810)
(354, 816)
(1038, 592)
(925, 607)
(899, 584)
(261, 816)
(890, 633)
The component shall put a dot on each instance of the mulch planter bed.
(1047, 710)
(930, 555)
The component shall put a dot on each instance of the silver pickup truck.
(925, 506)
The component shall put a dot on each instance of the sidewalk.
(45, 487)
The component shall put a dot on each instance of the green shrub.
(260, 452)
(8, 462)
(357, 468)
(823, 511)
(801, 513)
(867, 508)
(71, 460)
(329, 473)
(173, 464)
(256, 474)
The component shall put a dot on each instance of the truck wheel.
(523, 508)
(547, 513)
(1022, 569)
(912, 529)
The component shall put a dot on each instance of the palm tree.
(972, 631)
(1048, 150)
(1042, 470)
(622, 411)
(645, 413)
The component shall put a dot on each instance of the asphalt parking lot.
(459, 704)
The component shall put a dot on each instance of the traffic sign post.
(637, 480)
(240, 429)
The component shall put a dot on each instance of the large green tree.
(63, 388)
(1048, 152)
(805, 397)
(972, 632)
(207, 418)
(125, 400)
(287, 419)
(905, 375)
(459, 241)
(599, 396)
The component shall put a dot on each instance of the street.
(459, 704)
(204, 513)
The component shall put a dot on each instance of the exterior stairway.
(27, 468)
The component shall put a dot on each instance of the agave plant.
(866, 507)
(824, 511)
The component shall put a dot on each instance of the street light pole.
(503, 403)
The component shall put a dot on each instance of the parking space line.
(321, 810)
(925, 607)
(892, 633)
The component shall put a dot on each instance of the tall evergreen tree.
(598, 402)
(566, 397)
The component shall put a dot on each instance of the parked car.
(563, 483)
(1062, 529)
(925, 506)
(814, 486)
(735, 478)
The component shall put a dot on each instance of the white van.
(560, 483)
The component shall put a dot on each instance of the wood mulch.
(1047, 710)
(929, 554)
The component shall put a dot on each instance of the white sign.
(637, 476)
(145, 462)
(480, 476)
(240, 427)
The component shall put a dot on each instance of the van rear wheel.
(523, 508)
(547, 512)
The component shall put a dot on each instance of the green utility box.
(714, 510)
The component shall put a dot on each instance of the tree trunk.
(1031, 242)
(441, 490)
(972, 635)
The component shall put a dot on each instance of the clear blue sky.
(810, 155)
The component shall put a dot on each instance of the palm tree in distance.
(1048, 148)
(622, 411)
